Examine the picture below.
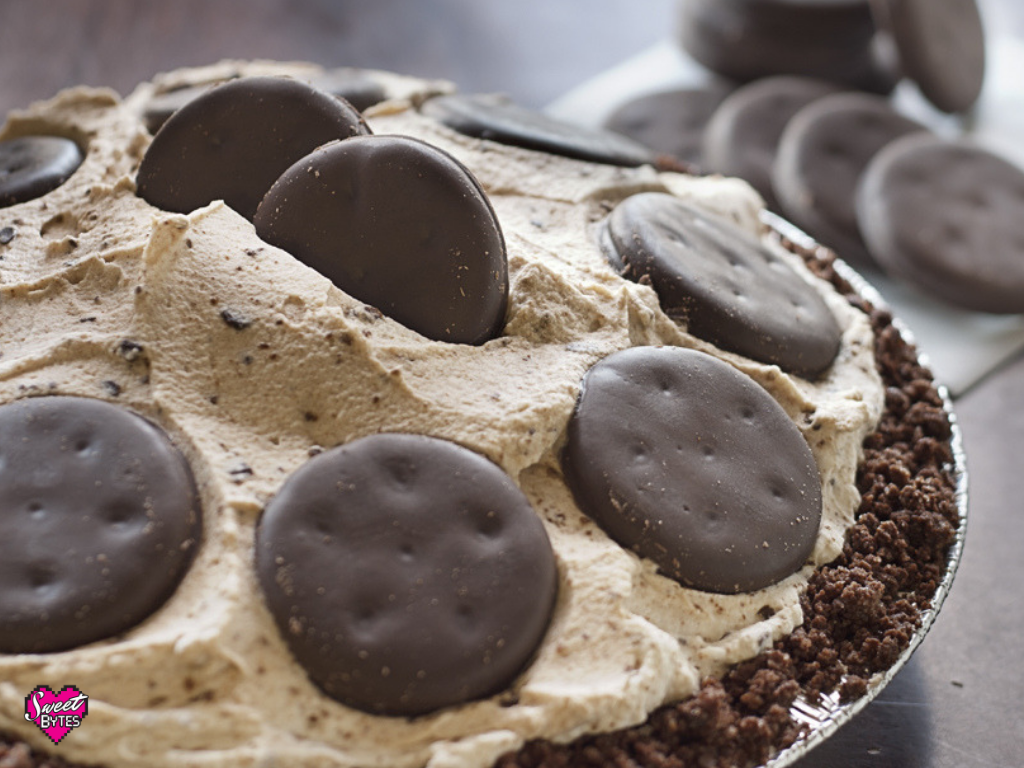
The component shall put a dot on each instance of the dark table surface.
(958, 703)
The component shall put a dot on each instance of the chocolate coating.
(406, 574)
(353, 85)
(159, 108)
(32, 166)
(684, 460)
(234, 141)
(748, 39)
(401, 225)
(947, 215)
(670, 122)
(941, 45)
(496, 118)
(822, 153)
(99, 520)
(742, 137)
(727, 287)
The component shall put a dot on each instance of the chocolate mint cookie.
(406, 574)
(399, 224)
(728, 288)
(234, 141)
(494, 117)
(99, 519)
(947, 215)
(31, 166)
(742, 137)
(688, 462)
(747, 39)
(822, 153)
(941, 45)
(670, 122)
(353, 85)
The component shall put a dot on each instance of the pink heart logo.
(56, 714)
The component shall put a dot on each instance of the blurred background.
(534, 50)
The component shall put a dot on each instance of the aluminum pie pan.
(824, 716)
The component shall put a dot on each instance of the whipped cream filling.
(207, 680)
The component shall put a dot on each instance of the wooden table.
(958, 703)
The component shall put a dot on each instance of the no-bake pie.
(435, 434)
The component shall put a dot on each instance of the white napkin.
(961, 346)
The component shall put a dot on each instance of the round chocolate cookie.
(159, 108)
(99, 520)
(353, 85)
(406, 574)
(670, 122)
(728, 288)
(948, 216)
(496, 118)
(684, 460)
(401, 225)
(748, 39)
(941, 45)
(742, 136)
(822, 153)
(234, 141)
(32, 166)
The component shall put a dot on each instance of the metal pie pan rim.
(825, 717)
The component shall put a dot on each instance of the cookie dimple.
(686, 461)
(232, 142)
(401, 225)
(823, 151)
(946, 215)
(32, 166)
(495, 117)
(729, 289)
(99, 520)
(406, 574)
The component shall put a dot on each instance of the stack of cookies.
(800, 108)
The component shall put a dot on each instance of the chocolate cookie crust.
(860, 612)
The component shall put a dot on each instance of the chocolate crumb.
(112, 387)
(6, 235)
(235, 320)
(129, 350)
